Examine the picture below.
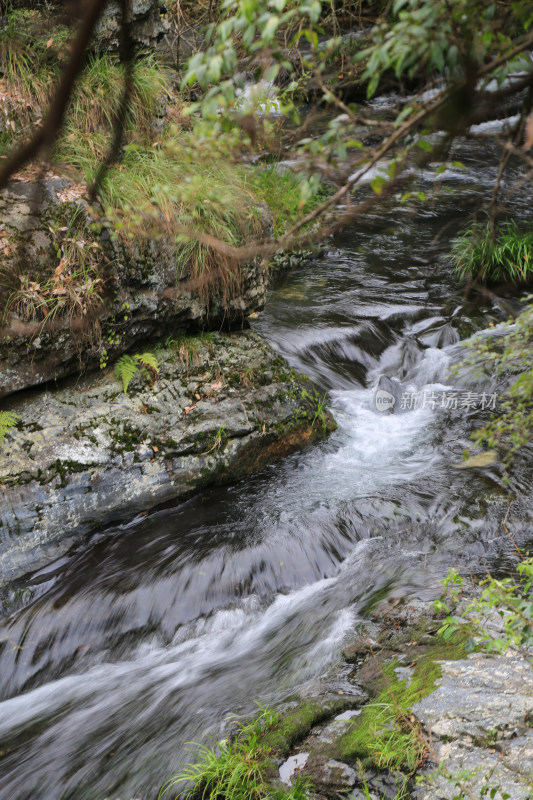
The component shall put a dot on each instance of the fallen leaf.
(50, 42)
(481, 460)
(188, 409)
(198, 397)
(155, 449)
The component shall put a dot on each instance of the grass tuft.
(506, 256)
(279, 189)
(32, 53)
(67, 285)
(233, 769)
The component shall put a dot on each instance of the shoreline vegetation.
(390, 743)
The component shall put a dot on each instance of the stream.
(150, 634)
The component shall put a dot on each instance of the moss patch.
(295, 725)
(385, 736)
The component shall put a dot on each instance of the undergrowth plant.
(127, 367)
(486, 256)
(33, 50)
(188, 348)
(508, 602)
(511, 353)
(279, 188)
(8, 420)
(170, 189)
(386, 736)
(71, 286)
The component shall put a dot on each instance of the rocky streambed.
(401, 693)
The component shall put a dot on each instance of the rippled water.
(149, 635)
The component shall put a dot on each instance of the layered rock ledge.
(87, 455)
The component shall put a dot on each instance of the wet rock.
(331, 776)
(291, 765)
(411, 352)
(389, 395)
(360, 650)
(380, 786)
(363, 794)
(87, 455)
(447, 336)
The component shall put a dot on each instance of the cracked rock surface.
(480, 720)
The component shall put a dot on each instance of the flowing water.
(149, 635)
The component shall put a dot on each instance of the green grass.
(159, 191)
(506, 256)
(33, 51)
(96, 101)
(384, 736)
(233, 769)
(279, 189)
(165, 184)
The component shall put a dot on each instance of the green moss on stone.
(295, 725)
(382, 736)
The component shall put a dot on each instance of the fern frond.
(125, 370)
(148, 360)
(8, 420)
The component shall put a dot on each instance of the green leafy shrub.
(128, 366)
(8, 420)
(509, 601)
(488, 258)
